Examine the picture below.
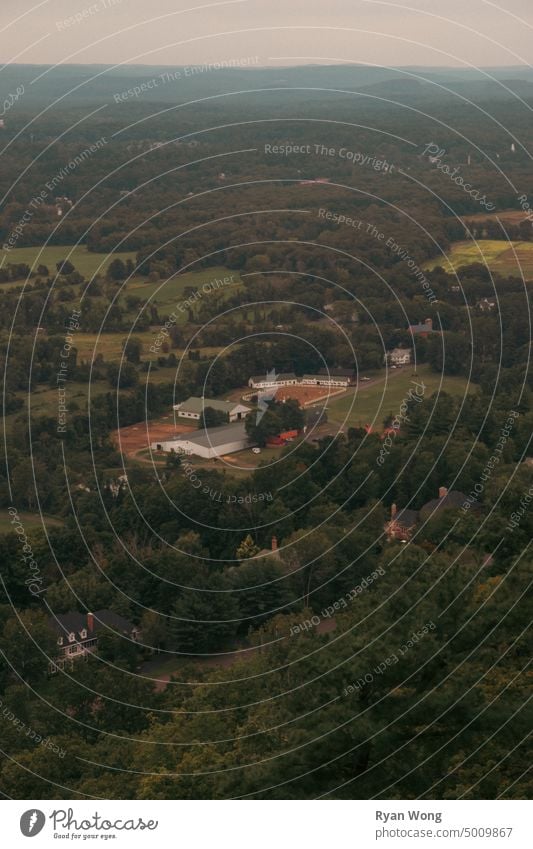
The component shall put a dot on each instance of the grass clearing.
(170, 294)
(44, 401)
(373, 403)
(506, 258)
(30, 521)
(109, 345)
(84, 261)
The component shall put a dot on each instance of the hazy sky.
(278, 32)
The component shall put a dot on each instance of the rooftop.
(274, 378)
(74, 622)
(406, 518)
(215, 436)
(452, 499)
(423, 327)
(198, 405)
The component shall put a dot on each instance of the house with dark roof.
(402, 523)
(448, 500)
(424, 329)
(77, 633)
(271, 552)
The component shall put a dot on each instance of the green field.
(88, 345)
(30, 521)
(85, 262)
(373, 403)
(174, 296)
(506, 258)
(169, 294)
(44, 401)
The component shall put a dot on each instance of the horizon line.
(341, 64)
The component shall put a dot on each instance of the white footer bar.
(269, 824)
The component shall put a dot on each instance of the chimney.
(274, 543)
(90, 622)
(393, 511)
(429, 323)
(443, 492)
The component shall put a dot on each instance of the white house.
(193, 407)
(398, 357)
(77, 633)
(208, 444)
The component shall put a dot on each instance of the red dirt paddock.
(129, 440)
(306, 395)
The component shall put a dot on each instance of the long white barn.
(325, 377)
(272, 381)
(208, 444)
(324, 380)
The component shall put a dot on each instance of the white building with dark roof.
(77, 633)
(272, 380)
(338, 380)
(193, 408)
(208, 444)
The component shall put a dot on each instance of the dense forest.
(291, 646)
